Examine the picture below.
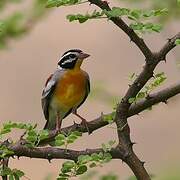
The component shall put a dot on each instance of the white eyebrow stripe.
(66, 55)
(69, 61)
(75, 53)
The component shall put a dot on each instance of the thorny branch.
(49, 153)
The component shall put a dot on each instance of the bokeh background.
(26, 63)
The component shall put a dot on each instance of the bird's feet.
(83, 121)
(85, 124)
(58, 125)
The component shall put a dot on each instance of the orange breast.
(71, 89)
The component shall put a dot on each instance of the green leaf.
(72, 137)
(160, 12)
(57, 3)
(5, 131)
(95, 157)
(109, 118)
(77, 133)
(5, 171)
(148, 14)
(138, 26)
(5, 152)
(18, 172)
(83, 18)
(157, 27)
(59, 142)
(177, 42)
(51, 3)
(107, 157)
(81, 170)
(79, 17)
(116, 12)
(60, 137)
(16, 177)
(67, 166)
(136, 14)
(83, 159)
(32, 133)
(11, 177)
(43, 134)
(31, 138)
(101, 155)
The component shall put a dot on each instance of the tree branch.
(129, 31)
(155, 98)
(168, 47)
(49, 153)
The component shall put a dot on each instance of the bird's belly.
(70, 91)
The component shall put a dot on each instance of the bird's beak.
(83, 55)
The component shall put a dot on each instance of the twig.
(5, 162)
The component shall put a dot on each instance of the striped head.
(72, 59)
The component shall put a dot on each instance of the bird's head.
(72, 59)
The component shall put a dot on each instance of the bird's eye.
(72, 55)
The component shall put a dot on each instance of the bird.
(65, 90)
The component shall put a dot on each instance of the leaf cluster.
(57, 3)
(31, 135)
(72, 168)
(177, 42)
(157, 81)
(172, 5)
(70, 138)
(139, 18)
(13, 174)
(8, 126)
(83, 18)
